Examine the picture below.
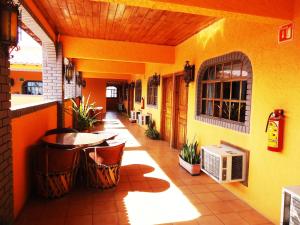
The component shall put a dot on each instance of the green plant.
(190, 152)
(84, 113)
(151, 132)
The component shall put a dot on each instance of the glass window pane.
(235, 91)
(205, 76)
(226, 90)
(218, 71)
(209, 108)
(244, 90)
(216, 109)
(217, 90)
(225, 110)
(227, 70)
(234, 111)
(204, 88)
(242, 112)
(210, 92)
(236, 68)
(203, 107)
(211, 73)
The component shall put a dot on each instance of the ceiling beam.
(85, 48)
(103, 66)
(267, 11)
(30, 8)
(110, 76)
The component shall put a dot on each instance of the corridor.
(153, 189)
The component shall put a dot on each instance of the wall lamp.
(79, 79)
(155, 79)
(69, 69)
(132, 84)
(189, 73)
(10, 20)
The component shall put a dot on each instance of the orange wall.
(275, 84)
(68, 113)
(27, 75)
(97, 90)
(24, 135)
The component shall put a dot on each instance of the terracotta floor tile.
(120, 195)
(209, 220)
(225, 195)
(220, 207)
(207, 197)
(79, 220)
(105, 207)
(239, 205)
(215, 187)
(231, 219)
(199, 188)
(123, 219)
(121, 207)
(106, 219)
(252, 217)
(79, 209)
(195, 222)
(203, 209)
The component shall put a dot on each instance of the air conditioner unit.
(143, 119)
(290, 210)
(223, 163)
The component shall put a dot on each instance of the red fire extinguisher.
(142, 103)
(274, 129)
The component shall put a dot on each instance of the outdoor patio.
(153, 189)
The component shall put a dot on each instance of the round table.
(72, 140)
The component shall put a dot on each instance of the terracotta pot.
(193, 169)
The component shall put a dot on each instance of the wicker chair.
(61, 131)
(103, 165)
(55, 171)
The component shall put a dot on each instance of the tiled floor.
(153, 189)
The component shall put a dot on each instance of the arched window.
(111, 92)
(224, 91)
(32, 87)
(138, 91)
(151, 93)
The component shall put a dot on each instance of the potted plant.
(84, 115)
(189, 157)
(151, 131)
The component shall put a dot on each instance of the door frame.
(175, 103)
(173, 113)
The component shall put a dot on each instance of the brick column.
(6, 178)
(53, 80)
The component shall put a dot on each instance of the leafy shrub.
(190, 152)
(151, 132)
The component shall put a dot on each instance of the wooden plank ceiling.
(111, 21)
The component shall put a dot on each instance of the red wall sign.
(285, 33)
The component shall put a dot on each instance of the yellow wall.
(276, 84)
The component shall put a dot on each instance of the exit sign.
(285, 33)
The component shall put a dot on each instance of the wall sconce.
(79, 79)
(11, 82)
(83, 83)
(132, 84)
(189, 73)
(10, 19)
(69, 69)
(155, 80)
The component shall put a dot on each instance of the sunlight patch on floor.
(113, 123)
(157, 207)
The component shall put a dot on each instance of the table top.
(71, 140)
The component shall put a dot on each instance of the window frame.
(112, 91)
(25, 86)
(219, 121)
(152, 94)
(138, 91)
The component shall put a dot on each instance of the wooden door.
(181, 105)
(130, 99)
(167, 108)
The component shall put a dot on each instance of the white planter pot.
(192, 169)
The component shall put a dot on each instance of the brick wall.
(6, 189)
